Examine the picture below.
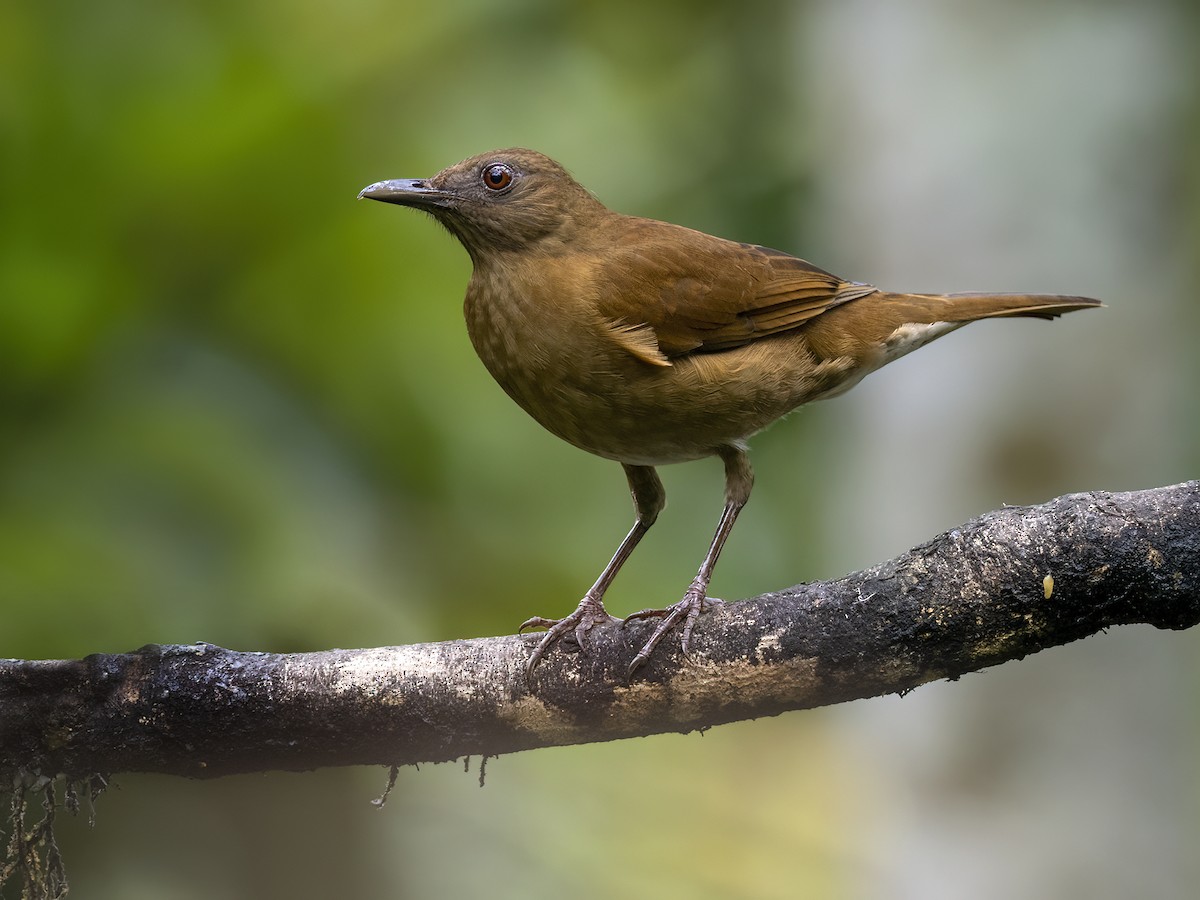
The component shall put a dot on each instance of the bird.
(650, 343)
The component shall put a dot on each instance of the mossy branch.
(1007, 584)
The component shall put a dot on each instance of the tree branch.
(1007, 584)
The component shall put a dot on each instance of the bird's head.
(496, 202)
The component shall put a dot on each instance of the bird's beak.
(406, 192)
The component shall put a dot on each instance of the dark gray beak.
(407, 192)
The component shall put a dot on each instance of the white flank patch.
(910, 337)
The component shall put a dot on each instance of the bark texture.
(1009, 583)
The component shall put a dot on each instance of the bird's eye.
(497, 177)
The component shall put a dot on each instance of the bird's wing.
(705, 294)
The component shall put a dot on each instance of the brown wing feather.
(698, 293)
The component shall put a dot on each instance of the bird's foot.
(575, 627)
(687, 610)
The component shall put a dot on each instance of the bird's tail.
(969, 307)
(880, 327)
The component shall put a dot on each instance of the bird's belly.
(630, 429)
(618, 407)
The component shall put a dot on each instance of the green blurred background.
(238, 406)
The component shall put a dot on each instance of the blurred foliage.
(239, 395)
(237, 406)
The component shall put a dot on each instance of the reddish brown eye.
(497, 177)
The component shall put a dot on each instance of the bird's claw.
(687, 610)
(587, 616)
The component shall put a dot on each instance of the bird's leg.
(739, 479)
(649, 498)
